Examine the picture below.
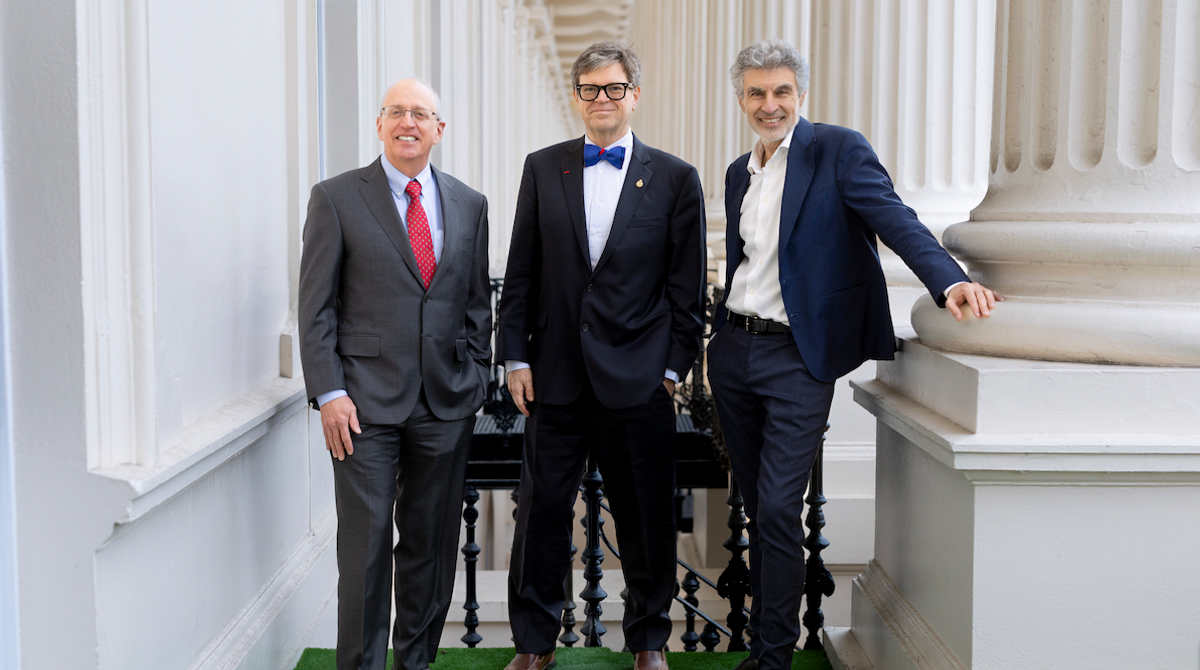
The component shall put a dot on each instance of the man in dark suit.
(395, 323)
(805, 302)
(601, 313)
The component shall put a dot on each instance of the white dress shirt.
(430, 202)
(602, 184)
(755, 290)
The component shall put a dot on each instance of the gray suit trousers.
(415, 474)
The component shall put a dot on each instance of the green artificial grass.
(576, 658)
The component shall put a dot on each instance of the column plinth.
(1091, 224)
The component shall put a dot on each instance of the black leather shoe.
(747, 664)
(531, 662)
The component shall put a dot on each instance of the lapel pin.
(566, 172)
(639, 183)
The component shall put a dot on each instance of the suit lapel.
(799, 175)
(637, 180)
(738, 184)
(377, 194)
(451, 219)
(571, 168)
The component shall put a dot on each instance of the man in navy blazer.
(805, 302)
(601, 313)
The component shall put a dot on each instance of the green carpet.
(495, 658)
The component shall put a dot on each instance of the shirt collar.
(626, 141)
(398, 181)
(755, 165)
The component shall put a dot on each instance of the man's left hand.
(981, 299)
(670, 386)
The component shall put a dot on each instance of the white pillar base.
(1032, 514)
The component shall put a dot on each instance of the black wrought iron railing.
(495, 463)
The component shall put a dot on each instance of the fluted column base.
(1111, 292)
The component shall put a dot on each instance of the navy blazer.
(836, 199)
(639, 312)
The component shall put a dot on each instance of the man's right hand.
(520, 385)
(338, 417)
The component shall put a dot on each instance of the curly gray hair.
(769, 55)
(603, 54)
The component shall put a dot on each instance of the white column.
(1001, 480)
(1090, 227)
(914, 77)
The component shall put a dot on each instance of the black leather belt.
(753, 324)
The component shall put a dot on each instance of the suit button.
(589, 288)
(427, 298)
(585, 328)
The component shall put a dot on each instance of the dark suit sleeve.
(867, 189)
(479, 301)
(517, 306)
(686, 275)
(320, 274)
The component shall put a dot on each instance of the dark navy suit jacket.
(639, 312)
(836, 199)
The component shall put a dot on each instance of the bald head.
(410, 86)
(409, 125)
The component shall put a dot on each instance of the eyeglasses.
(397, 113)
(589, 92)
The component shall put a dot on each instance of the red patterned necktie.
(418, 233)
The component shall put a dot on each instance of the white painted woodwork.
(1089, 227)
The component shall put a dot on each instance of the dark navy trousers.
(773, 413)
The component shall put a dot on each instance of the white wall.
(170, 491)
(10, 649)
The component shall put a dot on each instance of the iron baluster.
(593, 556)
(568, 637)
(470, 551)
(734, 583)
(690, 637)
(818, 581)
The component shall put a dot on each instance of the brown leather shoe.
(531, 662)
(650, 660)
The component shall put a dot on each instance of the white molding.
(372, 67)
(238, 645)
(843, 650)
(205, 445)
(303, 159)
(117, 233)
(923, 646)
(1040, 458)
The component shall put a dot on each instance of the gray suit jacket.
(367, 325)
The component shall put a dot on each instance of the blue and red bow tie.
(593, 154)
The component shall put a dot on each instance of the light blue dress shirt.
(397, 182)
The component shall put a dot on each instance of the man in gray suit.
(395, 325)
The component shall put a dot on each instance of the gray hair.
(603, 54)
(769, 55)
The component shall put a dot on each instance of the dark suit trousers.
(415, 473)
(635, 451)
(773, 413)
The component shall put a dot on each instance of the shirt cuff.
(946, 293)
(326, 397)
(672, 375)
(513, 366)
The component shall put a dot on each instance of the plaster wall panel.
(1103, 565)
(924, 517)
(220, 195)
(169, 583)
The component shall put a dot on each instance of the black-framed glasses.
(397, 113)
(589, 92)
